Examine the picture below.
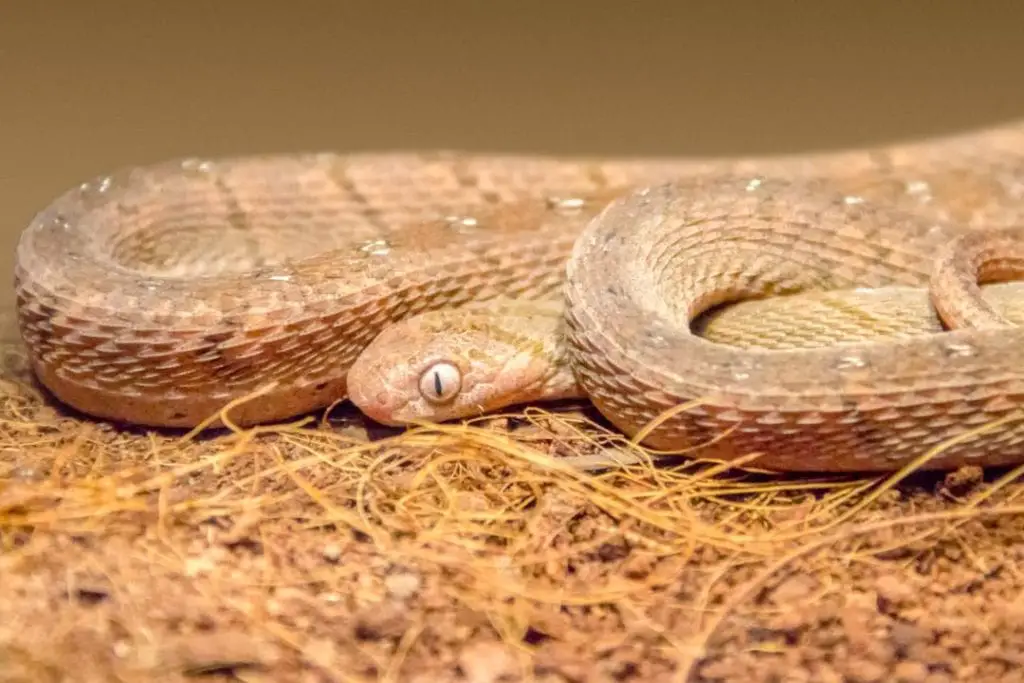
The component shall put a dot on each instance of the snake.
(837, 310)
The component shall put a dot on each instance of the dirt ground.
(497, 551)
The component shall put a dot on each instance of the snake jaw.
(367, 390)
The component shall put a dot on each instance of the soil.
(487, 552)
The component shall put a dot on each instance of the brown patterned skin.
(869, 405)
(158, 294)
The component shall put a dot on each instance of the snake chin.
(376, 405)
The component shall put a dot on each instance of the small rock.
(1011, 614)
(488, 662)
(382, 622)
(894, 589)
(332, 552)
(867, 671)
(794, 589)
(198, 653)
(910, 672)
(907, 636)
(961, 481)
(403, 585)
(321, 651)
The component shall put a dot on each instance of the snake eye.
(440, 383)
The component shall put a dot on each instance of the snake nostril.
(367, 392)
(382, 406)
(377, 406)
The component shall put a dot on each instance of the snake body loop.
(158, 294)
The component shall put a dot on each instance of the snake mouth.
(367, 390)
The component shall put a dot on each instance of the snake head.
(456, 363)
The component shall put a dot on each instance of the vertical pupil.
(437, 383)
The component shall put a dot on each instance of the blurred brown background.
(92, 86)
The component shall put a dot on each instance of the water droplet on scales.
(462, 223)
(196, 165)
(959, 350)
(851, 362)
(566, 204)
(98, 186)
(377, 247)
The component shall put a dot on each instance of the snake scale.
(859, 338)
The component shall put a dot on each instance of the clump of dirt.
(537, 546)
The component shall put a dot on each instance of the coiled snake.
(157, 294)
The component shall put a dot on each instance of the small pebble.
(332, 552)
(403, 585)
(894, 589)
